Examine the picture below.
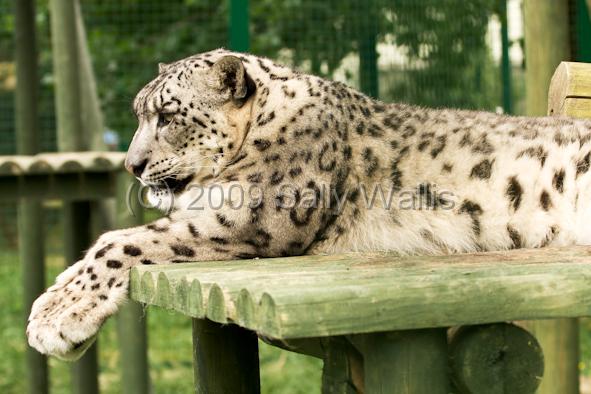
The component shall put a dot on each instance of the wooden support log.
(548, 43)
(570, 95)
(405, 362)
(225, 359)
(495, 358)
(342, 372)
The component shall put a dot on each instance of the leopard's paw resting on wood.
(64, 320)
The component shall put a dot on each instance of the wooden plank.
(69, 187)
(225, 359)
(406, 362)
(496, 359)
(311, 296)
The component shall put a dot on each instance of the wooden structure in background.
(30, 230)
(83, 180)
(547, 35)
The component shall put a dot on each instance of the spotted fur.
(455, 181)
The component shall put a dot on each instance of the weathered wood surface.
(570, 95)
(72, 187)
(30, 213)
(61, 163)
(225, 359)
(496, 359)
(70, 138)
(570, 90)
(344, 294)
(406, 362)
(131, 320)
(546, 29)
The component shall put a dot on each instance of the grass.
(169, 351)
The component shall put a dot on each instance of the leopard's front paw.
(65, 319)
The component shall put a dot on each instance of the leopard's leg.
(65, 319)
(68, 315)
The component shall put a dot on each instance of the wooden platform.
(315, 296)
(69, 176)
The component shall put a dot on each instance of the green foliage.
(440, 56)
(440, 45)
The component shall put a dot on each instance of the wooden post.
(569, 94)
(30, 213)
(406, 362)
(547, 43)
(342, 372)
(131, 320)
(70, 138)
(225, 359)
(496, 358)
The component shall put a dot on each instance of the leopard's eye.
(163, 120)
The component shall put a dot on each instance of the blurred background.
(454, 53)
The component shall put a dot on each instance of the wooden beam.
(225, 359)
(496, 358)
(406, 362)
(362, 293)
(68, 187)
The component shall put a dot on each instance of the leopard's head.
(193, 118)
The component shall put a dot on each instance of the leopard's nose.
(136, 168)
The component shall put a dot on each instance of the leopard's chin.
(160, 198)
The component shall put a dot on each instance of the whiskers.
(183, 169)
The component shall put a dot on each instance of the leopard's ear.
(162, 67)
(229, 73)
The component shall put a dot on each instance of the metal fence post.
(238, 26)
(368, 54)
(505, 61)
